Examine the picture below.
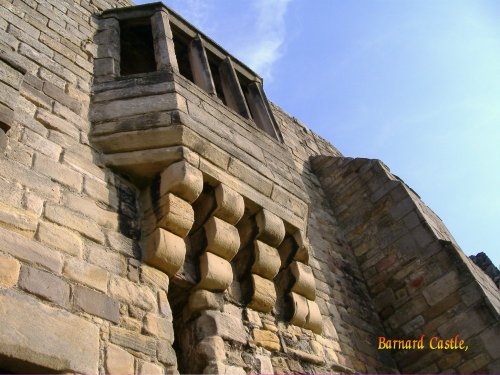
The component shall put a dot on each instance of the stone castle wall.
(222, 244)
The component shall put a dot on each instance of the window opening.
(181, 45)
(244, 82)
(137, 53)
(214, 63)
(3, 136)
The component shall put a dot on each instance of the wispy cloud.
(265, 43)
(198, 12)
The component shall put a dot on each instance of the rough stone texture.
(164, 250)
(44, 285)
(230, 204)
(87, 274)
(45, 336)
(96, 304)
(266, 339)
(215, 272)
(9, 271)
(267, 260)
(118, 361)
(414, 269)
(82, 145)
(222, 238)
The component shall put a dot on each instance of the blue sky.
(415, 83)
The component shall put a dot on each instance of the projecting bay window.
(152, 38)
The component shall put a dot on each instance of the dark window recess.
(3, 139)
(213, 62)
(244, 82)
(137, 54)
(181, 45)
(5, 113)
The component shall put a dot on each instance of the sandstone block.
(110, 260)
(154, 277)
(45, 285)
(222, 238)
(300, 309)
(314, 320)
(211, 349)
(271, 228)
(205, 300)
(441, 288)
(9, 271)
(133, 340)
(148, 368)
(90, 209)
(267, 260)
(234, 370)
(264, 294)
(60, 238)
(216, 323)
(183, 180)
(59, 172)
(216, 273)
(253, 318)
(41, 144)
(175, 215)
(159, 327)
(45, 336)
(165, 251)
(266, 339)
(304, 280)
(264, 365)
(118, 361)
(120, 243)
(30, 251)
(70, 219)
(56, 123)
(230, 204)
(96, 304)
(19, 219)
(491, 340)
(86, 273)
(215, 368)
(164, 305)
(166, 354)
(133, 294)
(134, 106)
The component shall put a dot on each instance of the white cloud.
(265, 43)
(254, 32)
(198, 12)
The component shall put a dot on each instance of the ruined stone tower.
(158, 215)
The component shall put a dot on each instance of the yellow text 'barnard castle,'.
(433, 343)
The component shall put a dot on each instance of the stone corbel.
(222, 240)
(169, 217)
(270, 233)
(302, 296)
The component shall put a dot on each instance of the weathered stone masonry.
(158, 214)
